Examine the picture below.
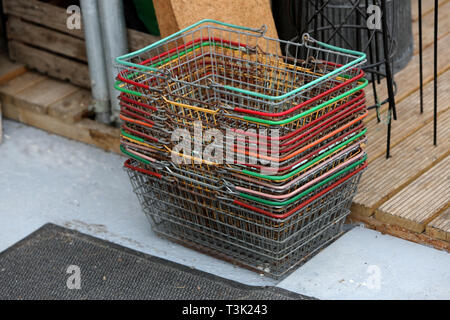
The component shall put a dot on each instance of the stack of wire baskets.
(238, 151)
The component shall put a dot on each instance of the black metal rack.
(345, 23)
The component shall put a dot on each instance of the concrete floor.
(45, 178)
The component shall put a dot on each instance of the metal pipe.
(389, 80)
(96, 59)
(420, 55)
(436, 20)
(112, 21)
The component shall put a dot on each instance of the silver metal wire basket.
(274, 237)
(212, 75)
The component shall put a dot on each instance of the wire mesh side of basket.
(242, 254)
(211, 46)
(162, 197)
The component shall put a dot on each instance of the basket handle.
(307, 191)
(292, 211)
(151, 173)
(361, 57)
(191, 180)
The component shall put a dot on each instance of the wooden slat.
(54, 17)
(41, 13)
(51, 64)
(427, 6)
(86, 130)
(439, 228)
(428, 26)
(40, 96)
(9, 70)
(21, 82)
(42, 41)
(46, 39)
(409, 117)
(384, 178)
(72, 108)
(44, 95)
(400, 232)
(421, 201)
(57, 107)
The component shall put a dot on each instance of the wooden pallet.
(9, 70)
(55, 106)
(39, 38)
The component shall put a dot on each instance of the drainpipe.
(112, 21)
(96, 59)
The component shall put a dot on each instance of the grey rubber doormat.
(37, 268)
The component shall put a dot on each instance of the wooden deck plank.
(384, 178)
(406, 83)
(421, 201)
(439, 228)
(408, 78)
(400, 232)
(427, 6)
(409, 117)
(428, 26)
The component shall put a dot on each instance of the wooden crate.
(39, 38)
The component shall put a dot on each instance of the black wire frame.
(378, 42)
(435, 65)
